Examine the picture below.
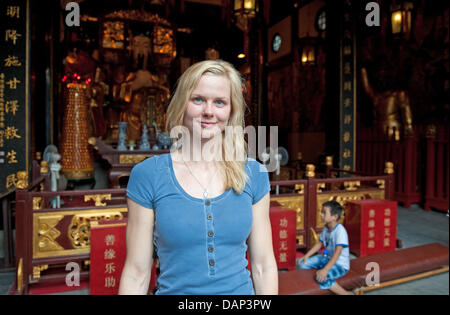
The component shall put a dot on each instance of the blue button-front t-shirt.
(201, 244)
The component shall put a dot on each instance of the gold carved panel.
(342, 198)
(49, 229)
(46, 233)
(133, 158)
(79, 230)
(296, 203)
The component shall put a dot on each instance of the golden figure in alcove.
(135, 116)
(143, 42)
(392, 108)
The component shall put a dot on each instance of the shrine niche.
(127, 80)
(137, 49)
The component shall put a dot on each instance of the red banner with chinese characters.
(283, 223)
(371, 226)
(14, 95)
(108, 253)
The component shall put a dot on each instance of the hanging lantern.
(308, 55)
(401, 17)
(245, 7)
(244, 10)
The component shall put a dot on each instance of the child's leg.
(314, 262)
(330, 283)
(337, 289)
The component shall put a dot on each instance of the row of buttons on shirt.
(210, 234)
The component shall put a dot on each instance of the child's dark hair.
(335, 208)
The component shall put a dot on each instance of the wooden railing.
(47, 238)
(421, 163)
(306, 196)
(52, 237)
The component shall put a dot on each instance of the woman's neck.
(205, 151)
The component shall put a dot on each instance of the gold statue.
(135, 116)
(140, 47)
(391, 107)
(22, 180)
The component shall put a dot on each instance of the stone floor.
(415, 227)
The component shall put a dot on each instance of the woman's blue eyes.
(199, 100)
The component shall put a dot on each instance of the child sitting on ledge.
(335, 260)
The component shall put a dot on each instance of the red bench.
(395, 267)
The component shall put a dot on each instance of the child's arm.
(322, 273)
(313, 250)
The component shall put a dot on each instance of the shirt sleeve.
(260, 181)
(341, 237)
(140, 187)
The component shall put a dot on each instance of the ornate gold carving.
(37, 271)
(389, 168)
(80, 230)
(300, 188)
(137, 15)
(381, 183)
(310, 168)
(22, 180)
(44, 233)
(352, 185)
(342, 198)
(47, 233)
(37, 203)
(133, 159)
(44, 167)
(320, 187)
(20, 275)
(98, 199)
(329, 160)
(296, 203)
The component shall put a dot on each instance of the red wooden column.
(310, 204)
(24, 229)
(408, 180)
(430, 169)
(390, 183)
(437, 170)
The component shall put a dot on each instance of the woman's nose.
(208, 109)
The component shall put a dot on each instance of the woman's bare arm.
(262, 259)
(136, 272)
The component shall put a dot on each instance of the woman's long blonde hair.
(233, 144)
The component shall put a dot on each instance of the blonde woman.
(202, 206)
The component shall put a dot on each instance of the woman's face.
(209, 106)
